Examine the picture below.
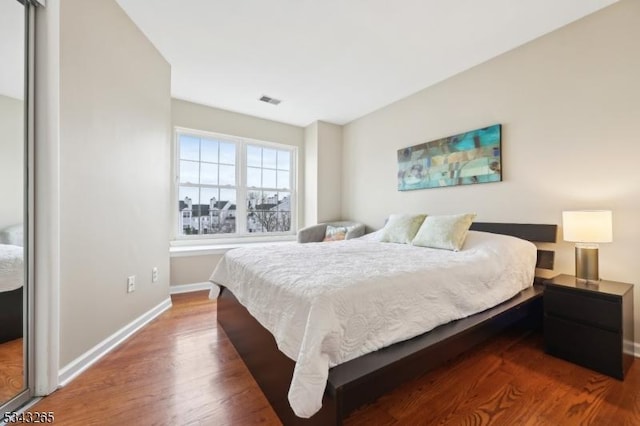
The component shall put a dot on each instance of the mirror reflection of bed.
(13, 203)
(12, 275)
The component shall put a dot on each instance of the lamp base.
(587, 262)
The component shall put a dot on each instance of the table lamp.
(587, 228)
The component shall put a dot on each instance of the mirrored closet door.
(15, 18)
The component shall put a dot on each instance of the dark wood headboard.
(527, 231)
(537, 233)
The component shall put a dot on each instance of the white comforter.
(327, 303)
(11, 267)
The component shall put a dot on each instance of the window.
(230, 186)
(269, 189)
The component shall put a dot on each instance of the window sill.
(199, 248)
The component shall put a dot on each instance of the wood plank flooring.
(182, 370)
(11, 369)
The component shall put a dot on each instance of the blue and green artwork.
(467, 158)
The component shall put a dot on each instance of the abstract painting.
(467, 158)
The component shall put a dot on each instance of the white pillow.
(401, 228)
(12, 235)
(444, 232)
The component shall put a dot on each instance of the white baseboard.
(636, 350)
(188, 288)
(86, 360)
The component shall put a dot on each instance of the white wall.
(570, 110)
(114, 173)
(11, 161)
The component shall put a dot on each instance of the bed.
(11, 283)
(338, 370)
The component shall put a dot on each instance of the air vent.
(272, 101)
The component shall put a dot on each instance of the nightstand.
(590, 324)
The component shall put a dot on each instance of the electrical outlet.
(154, 274)
(131, 284)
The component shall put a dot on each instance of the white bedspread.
(327, 303)
(11, 267)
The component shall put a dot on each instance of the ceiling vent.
(272, 101)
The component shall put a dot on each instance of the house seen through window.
(231, 186)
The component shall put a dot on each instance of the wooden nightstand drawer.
(584, 345)
(586, 308)
(589, 322)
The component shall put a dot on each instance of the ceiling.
(330, 60)
(334, 60)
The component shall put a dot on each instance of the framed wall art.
(463, 159)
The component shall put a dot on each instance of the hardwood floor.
(11, 369)
(182, 370)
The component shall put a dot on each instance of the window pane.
(254, 156)
(227, 211)
(254, 177)
(284, 221)
(189, 172)
(253, 199)
(228, 195)
(188, 205)
(269, 158)
(283, 180)
(262, 211)
(227, 153)
(270, 198)
(188, 192)
(208, 174)
(217, 211)
(209, 150)
(209, 199)
(189, 148)
(284, 212)
(284, 160)
(227, 175)
(209, 196)
(268, 178)
(284, 201)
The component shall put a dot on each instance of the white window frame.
(241, 234)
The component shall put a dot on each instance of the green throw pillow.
(444, 232)
(401, 228)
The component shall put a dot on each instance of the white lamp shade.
(587, 226)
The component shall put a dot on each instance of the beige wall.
(323, 172)
(311, 174)
(11, 161)
(210, 119)
(569, 104)
(114, 159)
(194, 269)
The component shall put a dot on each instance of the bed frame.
(364, 379)
(11, 315)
